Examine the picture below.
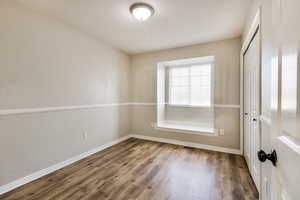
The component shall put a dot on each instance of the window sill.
(189, 129)
(188, 106)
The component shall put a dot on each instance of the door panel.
(285, 112)
(247, 112)
(252, 106)
(255, 108)
(268, 75)
(280, 117)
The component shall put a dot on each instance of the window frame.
(189, 65)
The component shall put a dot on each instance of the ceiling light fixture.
(141, 11)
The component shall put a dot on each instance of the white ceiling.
(175, 22)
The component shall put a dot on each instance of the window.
(190, 85)
(187, 87)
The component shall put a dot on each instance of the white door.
(280, 99)
(247, 112)
(285, 99)
(252, 107)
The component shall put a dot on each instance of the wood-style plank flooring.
(142, 170)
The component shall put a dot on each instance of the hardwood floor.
(144, 170)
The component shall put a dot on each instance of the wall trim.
(57, 108)
(91, 106)
(31, 177)
(215, 105)
(188, 144)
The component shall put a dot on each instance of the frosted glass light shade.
(141, 11)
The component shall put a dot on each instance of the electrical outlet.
(85, 135)
(221, 132)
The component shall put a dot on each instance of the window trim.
(189, 65)
(161, 91)
(163, 126)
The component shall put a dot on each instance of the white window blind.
(190, 85)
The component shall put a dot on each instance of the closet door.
(252, 107)
(247, 112)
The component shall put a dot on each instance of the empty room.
(149, 99)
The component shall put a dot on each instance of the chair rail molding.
(16, 111)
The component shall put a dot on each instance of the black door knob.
(262, 156)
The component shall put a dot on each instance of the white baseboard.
(189, 144)
(19, 182)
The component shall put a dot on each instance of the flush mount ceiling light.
(141, 11)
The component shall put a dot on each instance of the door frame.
(255, 26)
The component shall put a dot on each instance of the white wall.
(45, 63)
(226, 90)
